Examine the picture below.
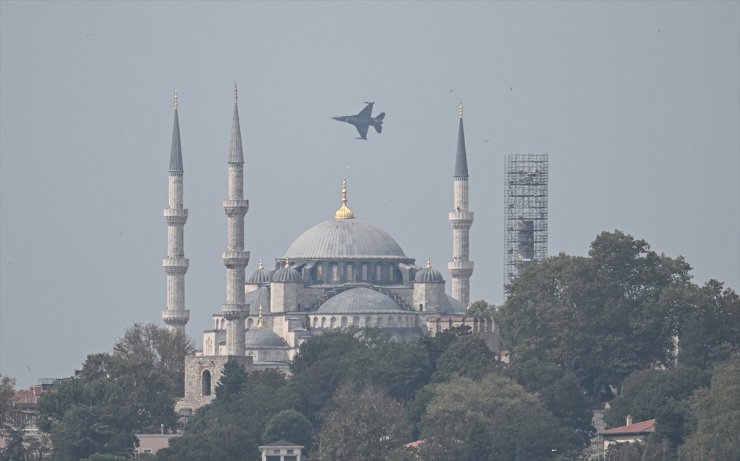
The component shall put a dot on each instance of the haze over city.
(637, 105)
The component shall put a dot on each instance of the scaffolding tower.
(525, 205)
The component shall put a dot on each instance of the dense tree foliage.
(492, 418)
(289, 425)
(116, 395)
(602, 317)
(717, 413)
(364, 424)
(226, 443)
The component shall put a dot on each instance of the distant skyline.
(637, 105)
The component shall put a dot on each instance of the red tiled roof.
(643, 427)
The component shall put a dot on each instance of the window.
(364, 272)
(350, 273)
(334, 272)
(344, 322)
(378, 273)
(206, 383)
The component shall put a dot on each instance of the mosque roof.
(260, 275)
(256, 338)
(429, 275)
(257, 298)
(287, 274)
(344, 237)
(359, 301)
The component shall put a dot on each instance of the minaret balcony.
(460, 268)
(461, 216)
(235, 208)
(176, 318)
(235, 259)
(234, 311)
(175, 266)
(175, 216)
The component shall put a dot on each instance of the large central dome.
(344, 238)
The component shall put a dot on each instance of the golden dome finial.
(177, 103)
(429, 263)
(344, 212)
(460, 109)
(261, 266)
(260, 321)
(287, 263)
(236, 92)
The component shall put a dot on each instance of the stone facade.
(202, 374)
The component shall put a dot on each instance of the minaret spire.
(235, 257)
(461, 268)
(175, 316)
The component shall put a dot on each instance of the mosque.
(341, 273)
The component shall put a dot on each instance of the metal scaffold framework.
(525, 215)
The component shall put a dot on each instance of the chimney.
(629, 420)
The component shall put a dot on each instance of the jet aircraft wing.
(367, 111)
(362, 129)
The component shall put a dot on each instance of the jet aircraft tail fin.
(381, 116)
(378, 128)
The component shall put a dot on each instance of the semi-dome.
(359, 301)
(256, 338)
(344, 238)
(258, 298)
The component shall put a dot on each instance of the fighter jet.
(363, 120)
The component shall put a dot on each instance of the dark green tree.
(364, 424)
(491, 419)
(10, 430)
(228, 443)
(232, 383)
(289, 425)
(601, 317)
(717, 413)
(467, 356)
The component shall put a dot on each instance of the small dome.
(429, 275)
(287, 275)
(359, 301)
(258, 298)
(256, 338)
(259, 276)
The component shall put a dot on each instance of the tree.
(366, 425)
(467, 355)
(710, 328)
(289, 425)
(490, 419)
(9, 429)
(660, 395)
(643, 451)
(601, 317)
(717, 412)
(165, 349)
(481, 308)
(232, 383)
(228, 443)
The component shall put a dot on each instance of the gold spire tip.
(287, 263)
(344, 212)
(460, 109)
(260, 322)
(429, 263)
(261, 266)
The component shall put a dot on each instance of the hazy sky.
(637, 104)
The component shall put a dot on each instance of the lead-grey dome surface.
(429, 275)
(344, 238)
(359, 301)
(255, 338)
(287, 275)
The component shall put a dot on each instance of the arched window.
(209, 346)
(249, 323)
(344, 322)
(315, 322)
(206, 383)
(364, 272)
(391, 273)
(334, 272)
(379, 322)
(323, 322)
(333, 322)
(368, 322)
(378, 273)
(355, 321)
(350, 273)
(319, 273)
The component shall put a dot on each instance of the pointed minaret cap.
(461, 159)
(260, 321)
(344, 212)
(236, 154)
(176, 150)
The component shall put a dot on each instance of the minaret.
(235, 257)
(461, 268)
(175, 264)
